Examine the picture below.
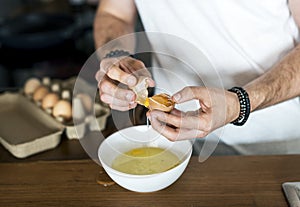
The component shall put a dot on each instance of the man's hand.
(116, 76)
(217, 108)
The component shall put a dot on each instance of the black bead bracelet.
(117, 53)
(244, 106)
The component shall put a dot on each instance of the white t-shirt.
(241, 39)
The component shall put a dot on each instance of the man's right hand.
(116, 76)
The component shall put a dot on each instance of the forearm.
(280, 83)
(108, 27)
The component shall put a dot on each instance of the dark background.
(31, 44)
(24, 55)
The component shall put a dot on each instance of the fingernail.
(131, 103)
(150, 82)
(148, 116)
(129, 97)
(131, 81)
(177, 97)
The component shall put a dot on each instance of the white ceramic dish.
(134, 137)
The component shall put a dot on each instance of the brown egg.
(62, 110)
(50, 100)
(31, 85)
(40, 93)
(162, 102)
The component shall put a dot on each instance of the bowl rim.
(185, 158)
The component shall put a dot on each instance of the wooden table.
(220, 181)
(65, 176)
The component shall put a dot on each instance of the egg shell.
(40, 93)
(162, 102)
(31, 85)
(140, 89)
(63, 109)
(50, 100)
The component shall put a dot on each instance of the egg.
(162, 102)
(40, 93)
(50, 100)
(62, 110)
(31, 85)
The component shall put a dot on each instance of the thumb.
(187, 94)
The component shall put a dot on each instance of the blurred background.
(41, 38)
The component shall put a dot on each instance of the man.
(252, 44)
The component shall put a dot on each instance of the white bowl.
(134, 137)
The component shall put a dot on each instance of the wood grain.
(220, 181)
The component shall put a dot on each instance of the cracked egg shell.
(162, 102)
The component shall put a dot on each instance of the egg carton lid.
(25, 129)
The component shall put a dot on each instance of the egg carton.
(82, 105)
(25, 130)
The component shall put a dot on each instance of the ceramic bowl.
(141, 136)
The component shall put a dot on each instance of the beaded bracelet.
(244, 106)
(117, 53)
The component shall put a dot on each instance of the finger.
(193, 113)
(99, 75)
(108, 87)
(116, 73)
(176, 134)
(123, 108)
(189, 93)
(151, 82)
(106, 98)
(134, 66)
(177, 112)
(137, 68)
(189, 122)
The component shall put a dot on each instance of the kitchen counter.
(66, 176)
(220, 181)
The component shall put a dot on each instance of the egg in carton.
(64, 112)
(95, 111)
(75, 113)
(50, 96)
(85, 109)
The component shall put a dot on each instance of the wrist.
(117, 53)
(244, 106)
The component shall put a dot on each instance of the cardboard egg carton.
(26, 128)
(79, 105)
